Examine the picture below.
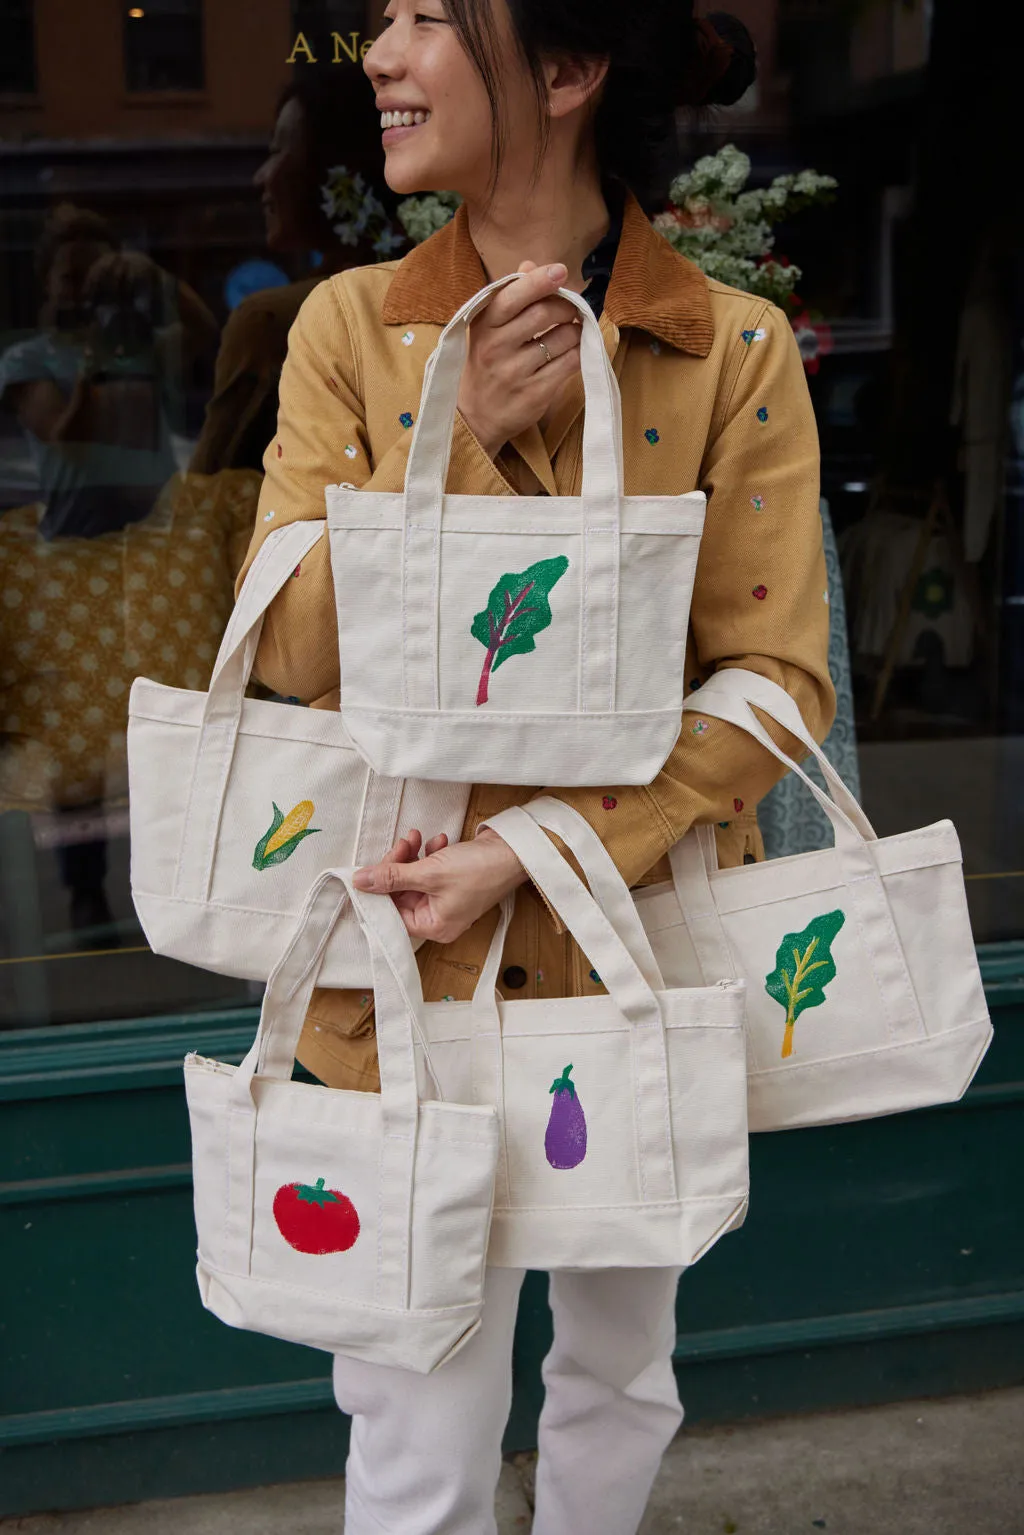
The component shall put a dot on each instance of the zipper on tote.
(204, 1062)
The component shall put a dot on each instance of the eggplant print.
(565, 1140)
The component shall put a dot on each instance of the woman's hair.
(342, 127)
(67, 223)
(661, 58)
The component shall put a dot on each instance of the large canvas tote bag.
(864, 995)
(514, 639)
(238, 803)
(353, 1222)
(623, 1117)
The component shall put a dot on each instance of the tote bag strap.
(728, 696)
(600, 509)
(215, 746)
(399, 1005)
(625, 982)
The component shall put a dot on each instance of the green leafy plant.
(516, 610)
(801, 955)
(727, 231)
(421, 217)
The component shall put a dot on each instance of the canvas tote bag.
(353, 1222)
(238, 803)
(623, 1117)
(514, 639)
(864, 995)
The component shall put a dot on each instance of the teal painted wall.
(879, 1260)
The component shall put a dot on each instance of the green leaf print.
(516, 610)
(801, 956)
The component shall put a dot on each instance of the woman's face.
(284, 182)
(417, 65)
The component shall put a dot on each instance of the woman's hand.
(443, 893)
(506, 384)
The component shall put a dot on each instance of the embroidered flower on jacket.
(737, 805)
(409, 338)
(350, 450)
(652, 435)
(595, 977)
(406, 418)
(699, 727)
(757, 502)
(760, 592)
(268, 516)
(609, 802)
(753, 335)
(762, 414)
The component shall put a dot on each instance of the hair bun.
(722, 64)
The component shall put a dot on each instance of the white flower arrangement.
(355, 212)
(421, 217)
(727, 231)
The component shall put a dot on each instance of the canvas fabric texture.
(348, 1222)
(436, 593)
(623, 1116)
(714, 399)
(864, 994)
(237, 803)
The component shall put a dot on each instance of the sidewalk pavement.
(949, 1467)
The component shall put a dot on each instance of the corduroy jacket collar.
(652, 287)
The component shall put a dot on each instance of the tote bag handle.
(600, 508)
(275, 561)
(728, 695)
(399, 1002)
(274, 565)
(623, 961)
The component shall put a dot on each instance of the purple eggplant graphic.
(565, 1140)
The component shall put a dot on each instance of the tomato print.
(313, 1219)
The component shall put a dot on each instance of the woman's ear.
(573, 81)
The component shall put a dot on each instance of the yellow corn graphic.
(295, 821)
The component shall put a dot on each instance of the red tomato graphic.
(313, 1219)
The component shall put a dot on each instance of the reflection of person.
(97, 390)
(543, 120)
(324, 138)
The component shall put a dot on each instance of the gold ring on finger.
(547, 354)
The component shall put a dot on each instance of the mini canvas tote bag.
(353, 1222)
(238, 803)
(623, 1117)
(508, 639)
(864, 995)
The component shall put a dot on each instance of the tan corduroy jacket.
(713, 398)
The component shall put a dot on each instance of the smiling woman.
(554, 122)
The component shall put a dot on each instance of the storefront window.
(147, 283)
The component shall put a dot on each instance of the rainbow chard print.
(565, 1140)
(516, 610)
(803, 968)
(284, 835)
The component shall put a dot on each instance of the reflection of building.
(155, 114)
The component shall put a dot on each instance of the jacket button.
(514, 977)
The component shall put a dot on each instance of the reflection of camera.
(125, 298)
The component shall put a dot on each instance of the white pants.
(425, 1452)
